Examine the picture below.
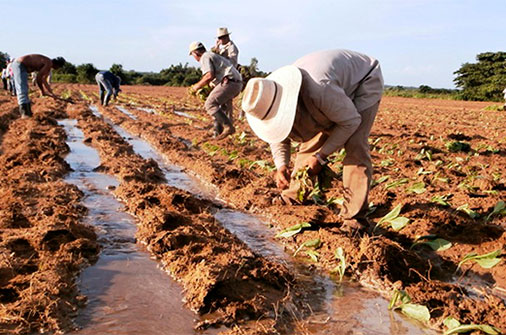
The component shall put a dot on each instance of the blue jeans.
(104, 85)
(21, 82)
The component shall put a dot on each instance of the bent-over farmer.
(228, 84)
(33, 63)
(326, 101)
(108, 85)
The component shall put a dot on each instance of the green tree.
(484, 80)
(4, 57)
(117, 69)
(66, 74)
(86, 73)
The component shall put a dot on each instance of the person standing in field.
(225, 47)
(10, 78)
(504, 92)
(228, 84)
(4, 75)
(108, 85)
(33, 63)
(326, 101)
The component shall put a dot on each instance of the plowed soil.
(44, 244)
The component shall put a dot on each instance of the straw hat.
(222, 32)
(270, 104)
(195, 46)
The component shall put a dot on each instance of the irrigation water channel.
(128, 292)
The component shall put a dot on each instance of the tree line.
(483, 80)
(175, 75)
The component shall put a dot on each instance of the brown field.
(447, 194)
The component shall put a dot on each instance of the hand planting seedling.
(455, 327)
(401, 300)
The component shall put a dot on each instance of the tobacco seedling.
(442, 199)
(486, 261)
(424, 154)
(401, 300)
(455, 327)
(417, 188)
(312, 244)
(263, 164)
(293, 230)
(340, 268)
(499, 209)
(456, 146)
(465, 208)
(393, 219)
(379, 180)
(434, 242)
(396, 183)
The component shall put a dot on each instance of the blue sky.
(416, 41)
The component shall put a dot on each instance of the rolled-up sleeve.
(281, 153)
(338, 108)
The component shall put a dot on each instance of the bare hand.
(283, 177)
(314, 166)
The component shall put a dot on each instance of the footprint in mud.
(54, 238)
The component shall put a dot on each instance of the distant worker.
(504, 92)
(33, 63)
(108, 85)
(4, 75)
(225, 47)
(228, 84)
(326, 101)
(10, 78)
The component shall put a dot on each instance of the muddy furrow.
(221, 276)
(384, 262)
(43, 245)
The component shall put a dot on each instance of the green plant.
(401, 300)
(465, 208)
(434, 242)
(396, 183)
(313, 187)
(455, 327)
(424, 154)
(293, 230)
(340, 268)
(263, 164)
(393, 219)
(486, 261)
(442, 199)
(379, 180)
(417, 188)
(457, 146)
(499, 209)
(312, 244)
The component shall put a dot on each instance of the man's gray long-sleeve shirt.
(336, 86)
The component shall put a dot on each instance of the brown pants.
(357, 166)
(221, 97)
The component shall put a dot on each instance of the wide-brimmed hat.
(195, 46)
(270, 103)
(222, 32)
